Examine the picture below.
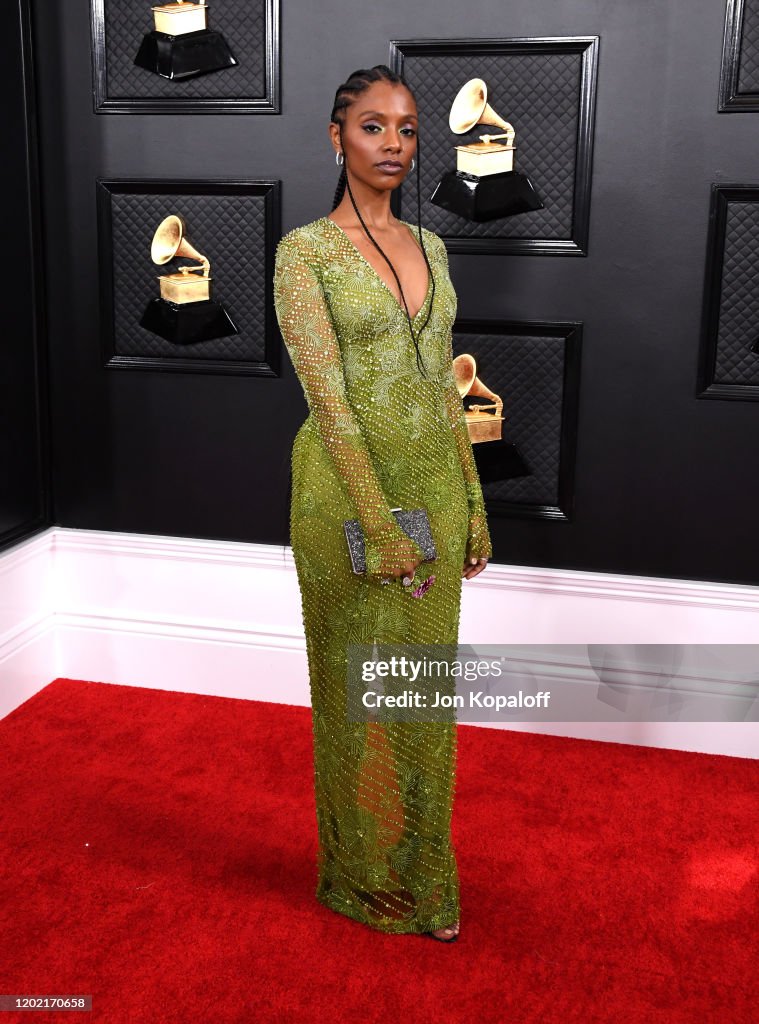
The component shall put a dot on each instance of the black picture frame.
(268, 193)
(738, 88)
(539, 444)
(519, 234)
(727, 368)
(195, 98)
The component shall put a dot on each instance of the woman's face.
(380, 128)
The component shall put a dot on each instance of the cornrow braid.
(340, 190)
(346, 94)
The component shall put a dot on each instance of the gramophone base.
(188, 322)
(481, 199)
(185, 56)
(498, 460)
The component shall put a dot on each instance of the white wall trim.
(224, 618)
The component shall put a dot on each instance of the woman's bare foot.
(447, 934)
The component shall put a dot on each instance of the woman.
(386, 429)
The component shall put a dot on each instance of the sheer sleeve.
(309, 335)
(478, 540)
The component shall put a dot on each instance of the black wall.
(665, 484)
(24, 492)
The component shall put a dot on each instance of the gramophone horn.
(470, 107)
(464, 372)
(170, 240)
(467, 381)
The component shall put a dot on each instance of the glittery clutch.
(414, 522)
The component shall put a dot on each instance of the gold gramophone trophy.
(484, 185)
(185, 312)
(181, 44)
(481, 424)
(499, 459)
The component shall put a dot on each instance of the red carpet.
(158, 852)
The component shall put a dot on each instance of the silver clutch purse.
(413, 521)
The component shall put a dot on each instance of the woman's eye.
(368, 127)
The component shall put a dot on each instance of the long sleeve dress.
(378, 436)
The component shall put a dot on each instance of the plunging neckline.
(376, 274)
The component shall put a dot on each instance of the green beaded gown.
(378, 436)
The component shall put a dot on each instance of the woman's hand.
(407, 569)
(398, 560)
(472, 567)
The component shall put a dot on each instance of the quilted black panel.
(731, 302)
(748, 68)
(118, 29)
(541, 92)
(231, 231)
(527, 368)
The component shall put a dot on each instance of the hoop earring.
(413, 163)
(339, 159)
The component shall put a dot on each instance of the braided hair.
(346, 94)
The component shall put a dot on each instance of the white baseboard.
(223, 618)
